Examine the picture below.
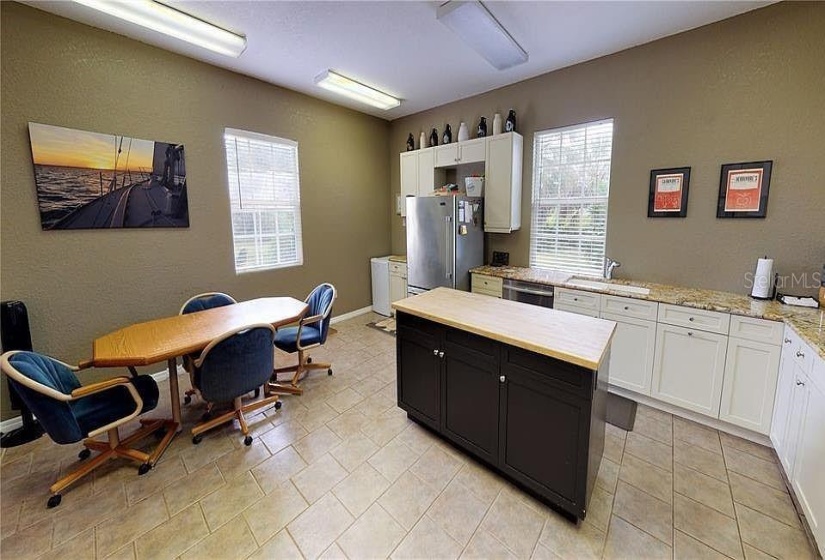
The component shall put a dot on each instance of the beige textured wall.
(82, 284)
(746, 89)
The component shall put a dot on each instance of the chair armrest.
(93, 388)
(312, 319)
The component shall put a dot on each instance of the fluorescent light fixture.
(159, 17)
(333, 81)
(477, 27)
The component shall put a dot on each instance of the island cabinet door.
(470, 393)
(544, 427)
(419, 370)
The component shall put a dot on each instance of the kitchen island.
(521, 388)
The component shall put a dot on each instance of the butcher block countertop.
(575, 339)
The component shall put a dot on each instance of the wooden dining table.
(166, 339)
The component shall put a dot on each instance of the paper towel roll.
(763, 279)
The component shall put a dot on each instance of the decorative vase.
(434, 138)
(482, 128)
(448, 135)
(463, 133)
(496, 124)
(410, 143)
(422, 141)
(510, 125)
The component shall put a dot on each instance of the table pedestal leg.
(174, 392)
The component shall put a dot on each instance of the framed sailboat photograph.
(90, 180)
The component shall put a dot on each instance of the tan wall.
(82, 284)
(749, 88)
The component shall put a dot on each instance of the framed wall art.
(743, 190)
(89, 180)
(668, 193)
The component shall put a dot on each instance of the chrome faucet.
(609, 265)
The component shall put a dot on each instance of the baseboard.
(351, 314)
(714, 423)
(11, 424)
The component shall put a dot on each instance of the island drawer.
(756, 330)
(489, 285)
(699, 319)
(629, 307)
(578, 299)
(545, 369)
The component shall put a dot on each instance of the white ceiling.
(400, 47)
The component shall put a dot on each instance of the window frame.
(542, 204)
(259, 210)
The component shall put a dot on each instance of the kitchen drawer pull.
(798, 382)
(502, 379)
(787, 341)
(800, 354)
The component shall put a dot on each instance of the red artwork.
(744, 190)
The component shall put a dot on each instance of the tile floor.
(341, 473)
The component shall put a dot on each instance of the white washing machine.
(381, 285)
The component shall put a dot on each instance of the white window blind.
(571, 180)
(265, 198)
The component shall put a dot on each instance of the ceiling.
(400, 47)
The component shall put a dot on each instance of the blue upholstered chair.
(231, 366)
(310, 332)
(70, 412)
(200, 302)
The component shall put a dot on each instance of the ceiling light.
(162, 18)
(333, 81)
(477, 27)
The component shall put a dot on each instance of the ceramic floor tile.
(766, 472)
(383, 428)
(600, 508)
(281, 546)
(568, 540)
(354, 451)
(213, 445)
(271, 513)
(514, 523)
(608, 475)
(393, 459)
(360, 489)
(458, 511)
(192, 488)
(628, 542)
(173, 538)
(613, 448)
(345, 400)
(348, 424)
(240, 461)
(374, 535)
(319, 478)
(771, 536)
(436, 467)
(334, 552)
(696, 434)
(649, 426)
(641, 474)
(155, 480)
(483, 545)
(479, 480)
(649, 450)
(121, 529)
(707, 525)
(408, 498)
(87, 513)
(282, 435)
(312, 446)
(653, 413)
(752, 553)
(704, 489)
(688, 548)
(649, 514)
(321, 524)
(707, 462)
(417, 438)
(749, 447)
(233, 540)
(282, 466)
(81, 547)
(765, 499)
(230, 500)
(427, 540)
(30, 542)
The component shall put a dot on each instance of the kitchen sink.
(593, 285)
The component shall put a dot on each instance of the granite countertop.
(808, 323)
(575, 339)
(398, 258)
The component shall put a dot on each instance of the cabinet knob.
(798, 382)
(690, 333)
(800, 354)
(787, 341)
(575, 299)
(435, 352)
(441, 354)
(502, 379)
(690, 319)
(626, 308)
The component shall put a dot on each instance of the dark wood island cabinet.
(521, 388)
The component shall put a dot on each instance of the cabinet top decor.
(575, 339)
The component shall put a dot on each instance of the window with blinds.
(571, 180)
(265, 198)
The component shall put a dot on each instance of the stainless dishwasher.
(528, 292)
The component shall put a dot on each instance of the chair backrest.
(45, 385)
(320, 302)
(204, 301)
(235, 363)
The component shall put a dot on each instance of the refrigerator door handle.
(449, 239)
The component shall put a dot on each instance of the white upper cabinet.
(426, 177)
(409, 177)
(502, 183)
(459, 153)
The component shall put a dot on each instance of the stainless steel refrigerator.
(445, 239)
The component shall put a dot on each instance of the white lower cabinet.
(808, 478)
(751, 370)
(631, 353)
(782, 404)
(398, 282)
(688, 367)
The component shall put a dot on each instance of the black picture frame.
(659, 205)
(747, 204)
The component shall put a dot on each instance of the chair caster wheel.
(329, 371)
(84, 454)
(257, 392)
(309, 360)
(54, 501)
(197, 439)
(144, 468)
(187, 399)
(247, 441)
(278, 405)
